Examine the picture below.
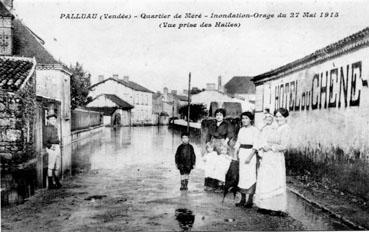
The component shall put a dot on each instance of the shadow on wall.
(346, 173)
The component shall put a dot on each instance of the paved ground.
(132, 185)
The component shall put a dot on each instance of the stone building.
(132, 93)
(52, 84)
(17, 125)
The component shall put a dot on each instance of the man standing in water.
(52, 144)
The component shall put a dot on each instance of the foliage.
(197, 111)
(79, 84)
(195, 90)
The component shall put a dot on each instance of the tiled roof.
(26, 43)
(129, 84)
(120, 102)
(108, 110)
(354, 41)
(4, 12)
(14, 71)
(117, 100)
(240, 85)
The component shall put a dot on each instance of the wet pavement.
(125, 180)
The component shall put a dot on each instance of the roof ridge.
(322, 53)
(24, 58)
(127, 84)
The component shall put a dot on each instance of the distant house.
(241, 87)
(166, 105)
(213, 99)
(130, 92)
(116, 111)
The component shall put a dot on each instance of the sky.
(163, 57)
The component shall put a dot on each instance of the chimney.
(174, 92)
(126, 78)
(165, 91)
(8, 4)
(210, 86)
(116, 76)
(100, 78)
(220, 87)
(6, 32)
(185, 92)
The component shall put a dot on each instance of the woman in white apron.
(271, 194)
(247, 136)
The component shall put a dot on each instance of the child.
(185, 160)
(209, 160)
(222, 165)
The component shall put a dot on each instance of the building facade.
(327, 94)
(52, 85)
(132, 93)
(116, 111)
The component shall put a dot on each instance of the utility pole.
(189, 101)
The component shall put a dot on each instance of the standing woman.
(271, 193)
(247, 137)
(219, 135)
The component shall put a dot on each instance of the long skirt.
(271, 192)
(247, 176)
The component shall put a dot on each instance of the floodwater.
(125, 179)
(97, 153)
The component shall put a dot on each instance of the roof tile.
(14, 71)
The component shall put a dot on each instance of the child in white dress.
(209, 159)
(222, 165)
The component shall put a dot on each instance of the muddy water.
(147, 146)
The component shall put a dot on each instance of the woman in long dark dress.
(219, 135)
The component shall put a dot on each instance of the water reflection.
(145, 146)
(312, 218)
(185, 218)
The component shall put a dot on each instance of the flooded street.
(125, 180)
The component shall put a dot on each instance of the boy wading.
(185, 159)
(52, 144)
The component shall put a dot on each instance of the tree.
(195, 90)
(197, 111)
(79, 84)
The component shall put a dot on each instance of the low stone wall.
(85, 133)
(17, 153)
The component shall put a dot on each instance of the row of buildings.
(124, 102)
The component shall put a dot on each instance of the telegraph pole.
(189, 101)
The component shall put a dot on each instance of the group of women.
(260, 156)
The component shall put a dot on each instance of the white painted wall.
(142, 101)
(329, 125)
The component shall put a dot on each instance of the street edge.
(331, 212)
